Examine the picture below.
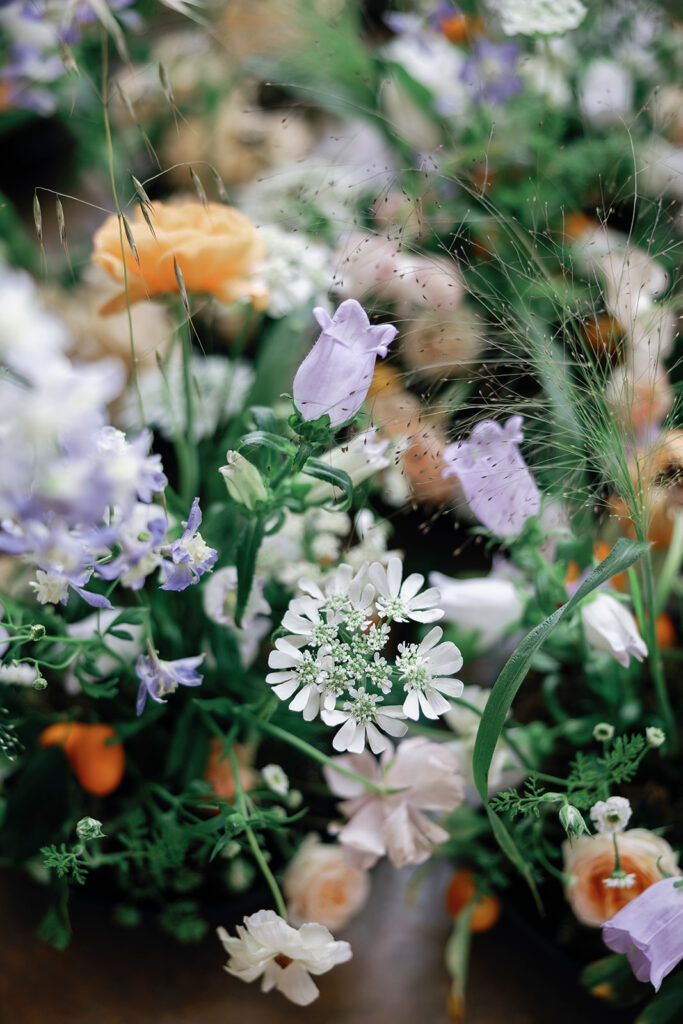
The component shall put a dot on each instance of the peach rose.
(590, 860)
(320, 886)
(216, 247)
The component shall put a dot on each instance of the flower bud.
(89, 828)
(39, 683)
(37, 631)
(243, 480)
(603, 731)
(335, 376)
(654, 736)
(572, 821)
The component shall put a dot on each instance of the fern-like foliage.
(65, 862)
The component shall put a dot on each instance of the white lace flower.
(283, 956)
(361, 719)
(401, 601)
(539, 17)
(423, 669)
(301, 671)
(304, 620)
(611, 815)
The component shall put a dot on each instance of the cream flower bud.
(610, 627)
(603, 731)
(572, 821)
(89, 828)
(243, 480)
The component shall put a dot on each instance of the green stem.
(253, 842)
(112, 178)
(187, 451)
(655, 655)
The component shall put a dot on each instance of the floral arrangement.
(340, 473)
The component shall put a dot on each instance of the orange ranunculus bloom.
(589, 860)
(216, 247)
(219, 771)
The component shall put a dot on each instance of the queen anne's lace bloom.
(333, 661)
(423, 669)
(401, 601)
(284, 957)
(539, 17)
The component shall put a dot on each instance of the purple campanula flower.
(335, 376)
(491, 73)
(497, 484)
(189, 557)
(159, 678)
(649, 930)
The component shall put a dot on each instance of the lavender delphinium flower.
(188, 557)
(491, 72)
(71, 486)
(335, 376)
(649, 930)
(159, 678)
(497, 484)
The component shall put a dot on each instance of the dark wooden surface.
(113, 976)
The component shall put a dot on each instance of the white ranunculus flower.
(490, 606)
(606, 93)
(321, 886)
(284, 957)
(610, 627)
(539, 17)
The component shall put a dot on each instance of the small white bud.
(655, 736)
(89, 828)
(572, 821)
(603, 731)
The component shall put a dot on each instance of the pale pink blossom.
(426, 777)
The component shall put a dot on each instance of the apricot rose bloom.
(321, 886)
(589, 860)
(216, 247)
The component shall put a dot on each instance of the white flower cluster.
(539, 17)
(296, 271)
(333, 664)
(220, 387)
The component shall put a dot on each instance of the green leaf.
(336, 477)
(666, 1005)
(245, 561)
(623, 555)
(266, 439)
